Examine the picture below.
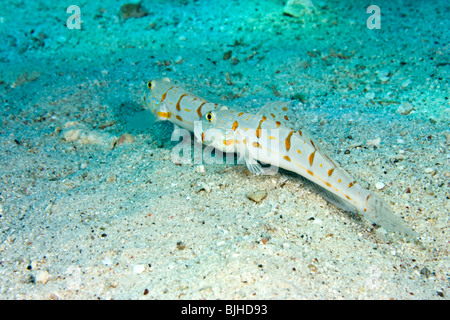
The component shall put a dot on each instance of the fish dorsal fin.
(279, 111)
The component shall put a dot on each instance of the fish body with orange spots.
(169, 102)
(270, 137)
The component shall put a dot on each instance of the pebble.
(72, 135)
(384, 75)
(370, 95)
(405, 108)
(227, 55)
(179, 60)
(256, 196)
(298, 8)
(48, 208)
(125, 138)
(139, 268)
(200, 169)
(374, 142)
(91, 138)
(203, 186)
(61, 39)
(425, 272)
(406, 83)
(132, 10)
(379, 185)
(42, 277)
(71, 124)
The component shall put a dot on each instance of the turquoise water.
(93, 207)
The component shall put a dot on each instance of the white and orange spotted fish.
(168, 102)
(272, 139)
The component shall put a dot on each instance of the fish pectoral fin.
(253, 166)
(256, 168)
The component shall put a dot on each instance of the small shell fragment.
(72, 135)
(379, 185)
(256, 196)
(125, 138)
(42, 277)
(374, 142)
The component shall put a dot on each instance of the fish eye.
(209, 116)
(150, 84)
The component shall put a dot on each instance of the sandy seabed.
(92, 207)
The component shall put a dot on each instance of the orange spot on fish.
(288, 141)
(351, 184)
(278, 123)
(199, 110)
(285, 109)
(256, 145)
(367, 199)
(286, 118)
(235, 125)
(310, 172)
(300, 132)
(179, 100)
(330, 172)
(287, 158)
(164, 115)
(179, 118)
(311, 158)
(163, 97)
(258, 130)
(240, 114)
(228, 142)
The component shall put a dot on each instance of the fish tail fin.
(381, 213)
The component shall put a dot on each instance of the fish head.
(153, 94)
(211, 130)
